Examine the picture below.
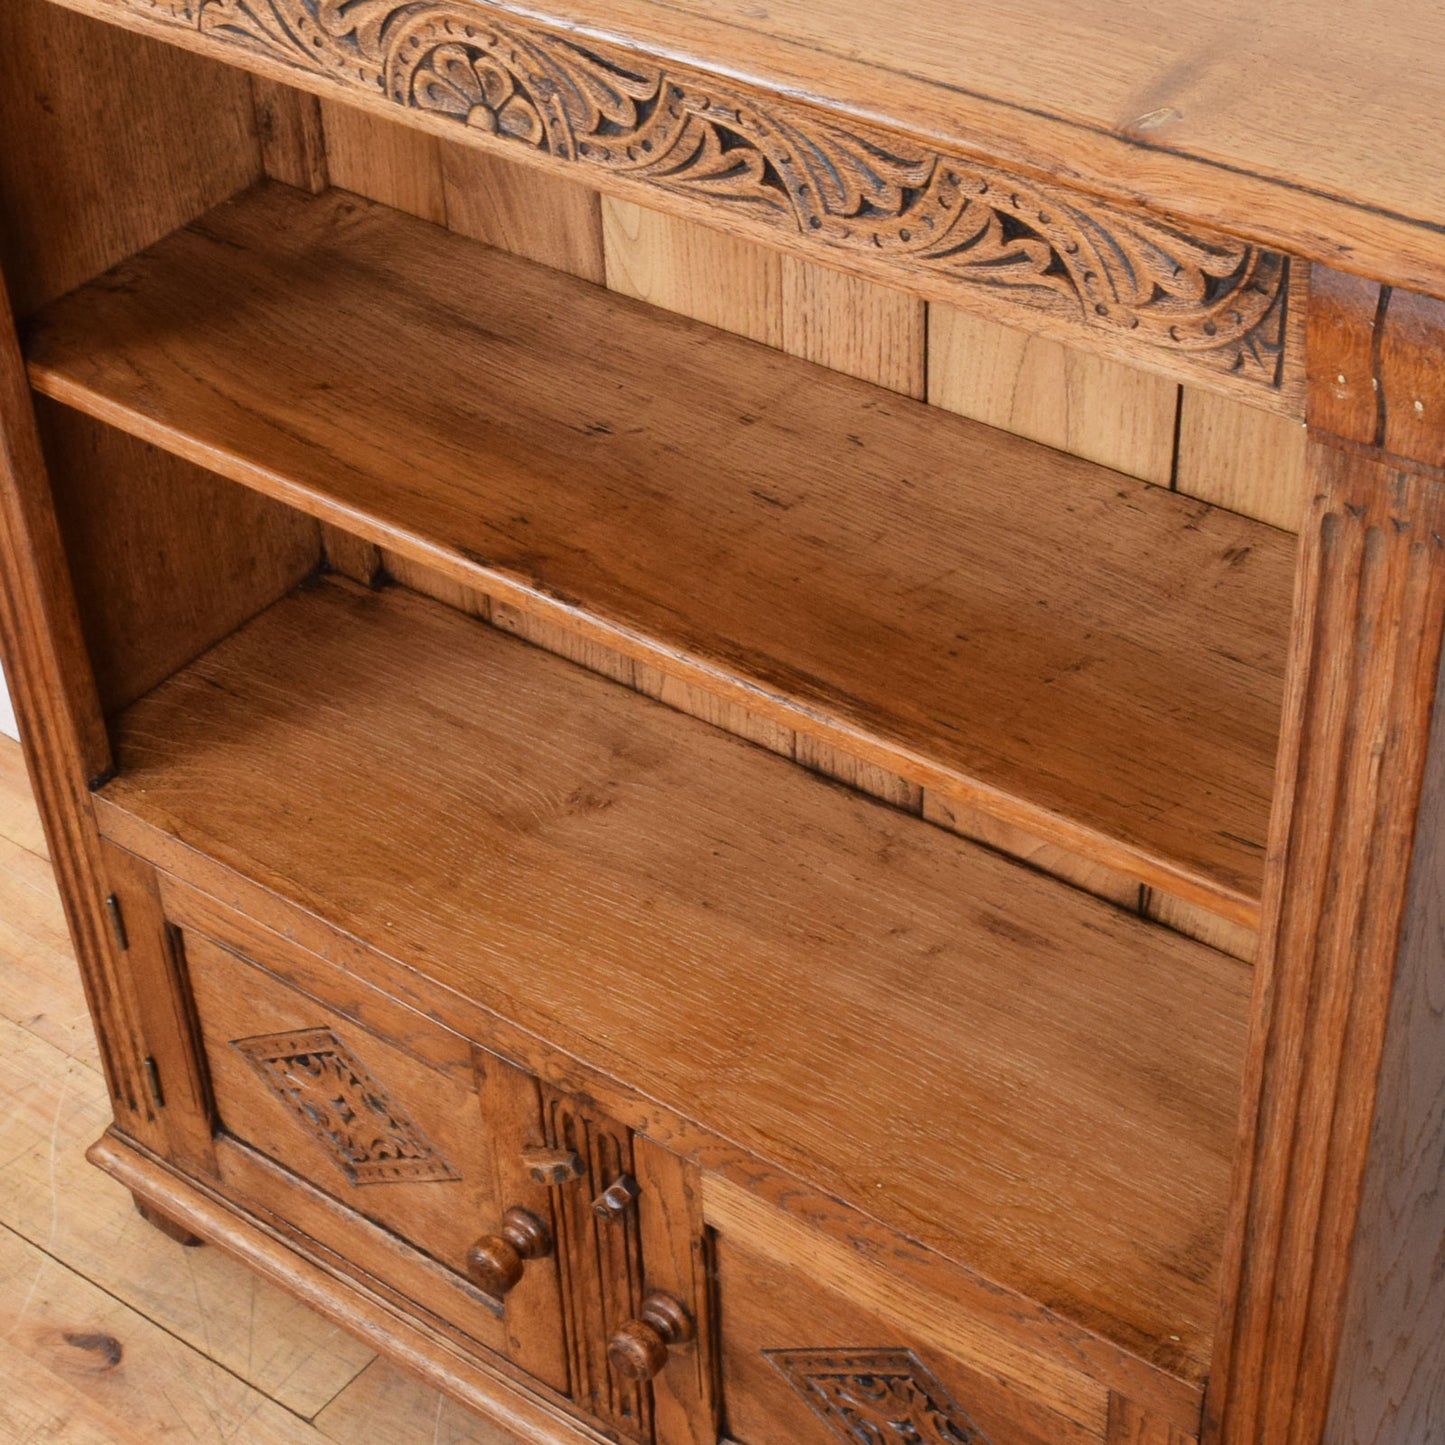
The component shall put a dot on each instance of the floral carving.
(1220, 302)
(877, 1397)
(330, 1093)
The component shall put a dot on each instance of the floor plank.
(123, 1365)
(39, 985)
(19, 822)
(210, 1352)
(36, 1405)
(385, 1403)
(51, 1197)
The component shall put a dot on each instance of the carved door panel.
(480, 1199)
(803, 1364)
(364, 1105)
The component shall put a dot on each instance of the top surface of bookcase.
(1309, 125)
(1304, 128)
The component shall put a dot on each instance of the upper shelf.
(1087, 657)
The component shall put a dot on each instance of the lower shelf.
(1025, 1079)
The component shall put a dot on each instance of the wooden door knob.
(495, 1261)
(638, 1350)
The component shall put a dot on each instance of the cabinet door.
(364, 1105)
(516, 1219)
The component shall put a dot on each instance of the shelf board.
(1091, 659)
(1029, 1080)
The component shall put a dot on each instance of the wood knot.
(95, 1353)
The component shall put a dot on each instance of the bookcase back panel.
(110, 140)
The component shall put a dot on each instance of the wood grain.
(1002, 1326)
(852, 326)
(693, 270)
(436, 1186)
(58, 708)
(352, 556)
(1129, 1425)
(857, 327)
(946, 640)
(1390, 1386)
(543, 217)
(302, 1271)
(121, 1365)
(1058, 395)
(509, 1098)
(1242, 458)
(875, 200)
(56, 1202)
(400, 168)
(711, 852)
(686, 1402)
(1367, 647)
(91, 170)
(1072, 867)
(769, 1310)
(39, 985)
(289, 132)
(19, 821)
(174, 1065)
(167, 557)
(387, 1403)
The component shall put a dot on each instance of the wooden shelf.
(1031, 1081)
(1095, 661)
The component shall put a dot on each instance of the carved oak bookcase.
(416, 646)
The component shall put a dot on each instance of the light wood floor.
(109, 1332)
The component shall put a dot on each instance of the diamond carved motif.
(333, 1096)
(877, 1397)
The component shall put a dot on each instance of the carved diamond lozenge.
(877, 1397)
(331, 1094)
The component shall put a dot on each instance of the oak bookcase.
(683, 891)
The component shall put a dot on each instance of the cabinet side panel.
(111, 140)
(1339, 1010)
(167, 558)
(1390, 1388)
(61, 725)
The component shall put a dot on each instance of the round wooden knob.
(494, 1262)
(638, 1350)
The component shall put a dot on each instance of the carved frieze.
(877, 1397)
(1210, 302)
(333, 1097)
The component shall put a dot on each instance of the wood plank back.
(111, 141)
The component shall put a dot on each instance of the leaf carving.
(1220, 302)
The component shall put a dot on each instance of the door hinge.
(117, 922)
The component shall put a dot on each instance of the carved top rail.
(1202, 306)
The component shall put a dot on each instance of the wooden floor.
(109, 1332)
